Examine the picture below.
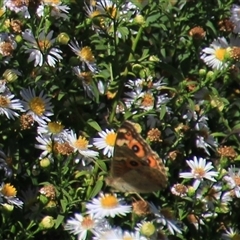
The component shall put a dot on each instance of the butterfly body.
(135, 166)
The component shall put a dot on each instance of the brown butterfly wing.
(135, 167)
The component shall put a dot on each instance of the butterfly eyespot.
(135, 148)
(133, 163)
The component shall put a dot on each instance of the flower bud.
(47, 222)
(45, 163)
(63, 38)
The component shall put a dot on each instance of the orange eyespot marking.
(137, 148)
(152, 161)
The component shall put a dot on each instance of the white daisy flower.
(54, 129)
(231, 234)
(232, 180)
(57, 9)
(212, 195)
(45, 144)
(8, 105)
(235, 17)
(80, 145)
(105, 5)
(146, 100)
(200, 171)
(85, 54)
(40, 46)
(107, 205)
(215, 55)
(8, 193)
(133, 236)
(17, 7)
(39, 107)
(164, 216)
(133, 97)
(86, 78)
(106, 142)
(80, 225)
(115, 233)
(133, 84)
(95, 15)
(206, 142)
(179, 190)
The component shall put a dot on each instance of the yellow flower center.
(199, 172)
(55, 127)
(109, 201)
(87, 222)
(95, 14)
(112, 11)
(110, 139)
(37, 106)
(111, 95)
(147, 100)
(44, 44)
(81, 143)
(86, 54)
(8, 190)
(86, 76)
(127, 238)
(237, 180)
(220, 53)
(4, 102)
(51, 1)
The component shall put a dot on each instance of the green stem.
(125, 73)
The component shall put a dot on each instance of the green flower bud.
(47, 222)
(63, 38)
(148, 229)
(45, 163)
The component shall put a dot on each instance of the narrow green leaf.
(94, 125)
(97, 188)
(59, 220)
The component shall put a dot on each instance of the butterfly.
(135, 167)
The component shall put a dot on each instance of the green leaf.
(163, 111)
(97, 188)
(63, 204)
(59, 220)
(94, 125)
(211, 26)
(102, 165)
